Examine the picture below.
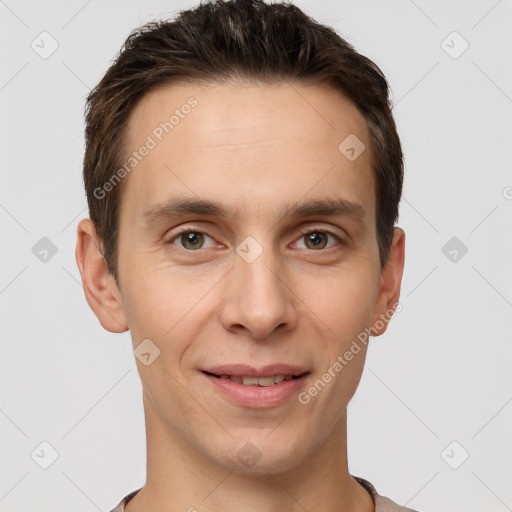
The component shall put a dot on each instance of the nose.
(257, 299)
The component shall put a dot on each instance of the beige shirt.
(382, 504)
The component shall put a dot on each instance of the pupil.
(192, 240)
(317, 239)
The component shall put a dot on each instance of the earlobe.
(100, 289)
(390, 283)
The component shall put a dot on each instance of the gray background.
(441, 374)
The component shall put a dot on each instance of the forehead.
(249, 143)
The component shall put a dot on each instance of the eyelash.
(302, 232)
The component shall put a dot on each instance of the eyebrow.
(176, 207)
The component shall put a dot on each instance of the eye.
(191, 240)
(316, 239)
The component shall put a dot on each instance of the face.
(247, 237)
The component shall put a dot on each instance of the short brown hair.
(239, 39)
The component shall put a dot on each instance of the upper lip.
(244, 370)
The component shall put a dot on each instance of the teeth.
(265, 381)
(258, 381)
(250, 381)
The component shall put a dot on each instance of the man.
(243, 175)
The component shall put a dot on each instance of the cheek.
(344, 311)
(160, 303)
(343, 302)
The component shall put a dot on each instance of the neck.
(181, 478)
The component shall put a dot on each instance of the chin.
(260, 454)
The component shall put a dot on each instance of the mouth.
(257, 381)
(253, 388)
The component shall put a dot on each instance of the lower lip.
(258, 396)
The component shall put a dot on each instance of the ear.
(100, 288)
(389, 286)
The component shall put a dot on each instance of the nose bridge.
(259, 278)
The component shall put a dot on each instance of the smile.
(256, 381)
(257, 392)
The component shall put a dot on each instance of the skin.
(256, 148)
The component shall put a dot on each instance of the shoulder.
(122, 504)
(382, 503)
